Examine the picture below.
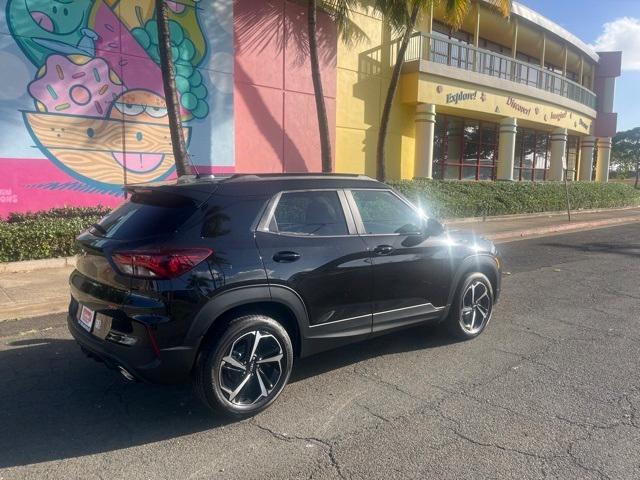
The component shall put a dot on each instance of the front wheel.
(246, 368)
(472, 307)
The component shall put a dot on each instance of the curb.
(30, 265)
(566, 227)
(23, 312)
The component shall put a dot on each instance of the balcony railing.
(453, 53)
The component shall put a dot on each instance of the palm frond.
(397, 13)
(455, 11)
(342, 13)
(502, 6)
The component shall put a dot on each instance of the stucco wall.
(363, 71)
(275, 112)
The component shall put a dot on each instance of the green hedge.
(65, 212)
(52, 233)
(45, 234)
(454, 199)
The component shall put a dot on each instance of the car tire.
(244, 369)
(472, 307)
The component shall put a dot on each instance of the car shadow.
(58, 404)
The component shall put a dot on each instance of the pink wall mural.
(82, 103)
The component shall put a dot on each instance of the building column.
(604, 156)
(558, 154)
(506, 148)
(514, 42)
(586, 158)
(425, 123)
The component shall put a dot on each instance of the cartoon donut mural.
(99, 115)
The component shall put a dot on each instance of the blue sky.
(613, 24)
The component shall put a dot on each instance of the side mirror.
(432, 227)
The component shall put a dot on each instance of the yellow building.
(516, 98)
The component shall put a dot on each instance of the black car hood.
(471, 240)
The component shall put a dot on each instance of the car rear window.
(146, 215)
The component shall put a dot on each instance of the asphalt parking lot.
(550, 390)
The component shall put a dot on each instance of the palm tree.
(178, 144)
(340, 11)
(321, 108)
(403, 16)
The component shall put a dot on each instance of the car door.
(411, 269)
(309, 243)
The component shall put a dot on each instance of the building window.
(465, 149)
(456, 54)
(528, 74)
(532, 155)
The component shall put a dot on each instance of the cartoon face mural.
(43, 27)
(100, 116)
(144, 115)
(82, 108)
(87, 117)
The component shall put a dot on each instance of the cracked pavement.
(550, 390)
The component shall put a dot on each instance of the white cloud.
(622, 34)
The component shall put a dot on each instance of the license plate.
(86, 318)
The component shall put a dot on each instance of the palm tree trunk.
(321, 109)
(381, 168)
(637, 173)
(170, 92)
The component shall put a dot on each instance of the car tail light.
(159, 264)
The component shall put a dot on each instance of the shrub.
(65, 212)
(45, 234)
(454, 199)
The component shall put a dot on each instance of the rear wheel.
(472, 307)
(245, 369)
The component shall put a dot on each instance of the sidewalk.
(516, 227)
(43, 290)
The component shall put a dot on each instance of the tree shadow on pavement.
(632, 250)
(58, 404)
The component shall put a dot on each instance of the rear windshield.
(146, 215)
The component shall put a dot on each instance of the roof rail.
(258, 176)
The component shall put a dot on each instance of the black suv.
(227, 280)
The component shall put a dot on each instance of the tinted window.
(146, 215)
(309, 213)
(382, 213)
(230, 216)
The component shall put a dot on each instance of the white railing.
(454, 53)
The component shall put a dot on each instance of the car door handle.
(286, 257)
(383, 250)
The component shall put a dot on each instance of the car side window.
(317, 213)
(384, 213)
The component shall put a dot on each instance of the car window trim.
(358, 218)
(265, 221)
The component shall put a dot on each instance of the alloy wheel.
(251, 369)
(476, 307)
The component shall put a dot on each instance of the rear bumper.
(171, 365)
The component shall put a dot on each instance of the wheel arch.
(485, 264)
(284, 305)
